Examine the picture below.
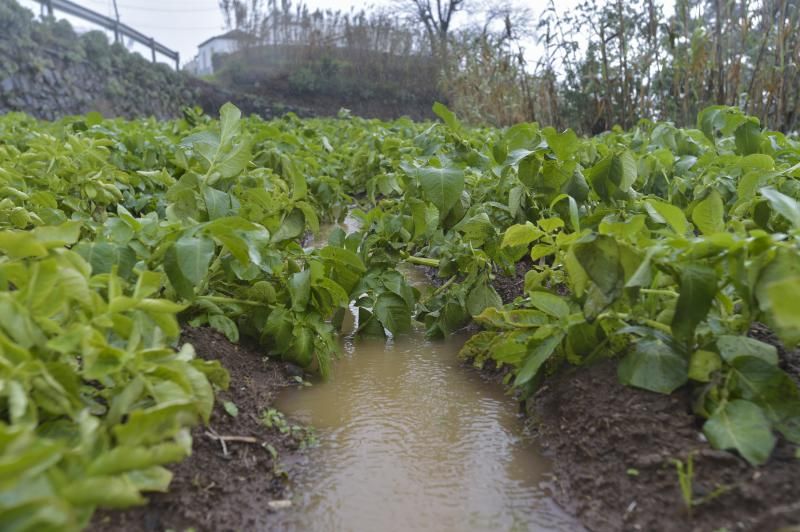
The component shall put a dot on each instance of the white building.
(203, 64)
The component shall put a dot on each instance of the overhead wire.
(132, 7)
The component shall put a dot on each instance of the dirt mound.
(221, 488)
(612, 448)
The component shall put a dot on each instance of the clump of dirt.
(511, 287)
(612, 448)
(789, 359)
(223, 488)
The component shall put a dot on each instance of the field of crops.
(659, 247)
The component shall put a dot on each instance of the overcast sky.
(183, 24)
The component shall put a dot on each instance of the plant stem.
(650, 323)
(423, 261)
(658, 292)
(230, 300)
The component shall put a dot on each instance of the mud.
(231, 488)
(612, 448)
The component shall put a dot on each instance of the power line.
(173, 28)
(157, 9)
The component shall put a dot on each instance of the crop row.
(659, 246)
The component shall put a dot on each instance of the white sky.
(183, 24)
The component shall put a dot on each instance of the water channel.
(410, 440)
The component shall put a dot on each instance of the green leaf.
(654, 366)
(666, 213)
(711, 119)
(291, 227)
(613, 176)
(59, 235)
(343, 258)
(393, 313)
(225, 325)
(512, 319)
(732, 347)
(300, 290)
(229, 117)
(564, 145)
(231, 408)
(764, 384)
(541, 351)
(127, 458)
(447, 116)
(521, 235)
(481, 297)
(787, 207)
(21, 244)
(748, 138)
(235, 161)
(186, 263)
(107, 491)
(103, 256)
(599, 257)
(440, 186)
(218, 203)
(784, 303)
(550, 304)
(698, 287)
(702, 364)
(709, 214)
(741, 425)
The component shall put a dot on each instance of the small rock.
(7, 85)
(294, 370)
(279, 505)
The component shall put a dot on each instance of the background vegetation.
(604, 63)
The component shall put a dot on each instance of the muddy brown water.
(410, 440)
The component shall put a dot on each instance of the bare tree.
(437, 17)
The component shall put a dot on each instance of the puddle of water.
(411, 441)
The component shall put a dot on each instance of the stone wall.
(49, 71)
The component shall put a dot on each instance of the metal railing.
(120, 30)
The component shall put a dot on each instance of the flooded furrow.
(409, 440)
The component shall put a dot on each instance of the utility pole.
(116, 27)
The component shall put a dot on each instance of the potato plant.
(658, 246)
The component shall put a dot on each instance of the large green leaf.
(764, 384)
(481, 297)
(441, 186)
(521, 235)
(542, 350)
(552, 304)
(292, 226)
(784, 301)
(186, 263)
(748, 138)
(741, 425)
(300, 290)
(654, 366)
(698, 287)
(447, 116)
(564, 145)
(667, 213)
(393, 313)
(709, 214)
(612, 177)
(599, 257)
(787, 207)
(732, 347)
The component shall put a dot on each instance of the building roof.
(236, 35)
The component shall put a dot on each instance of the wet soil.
(223, 488)
(612, 448)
